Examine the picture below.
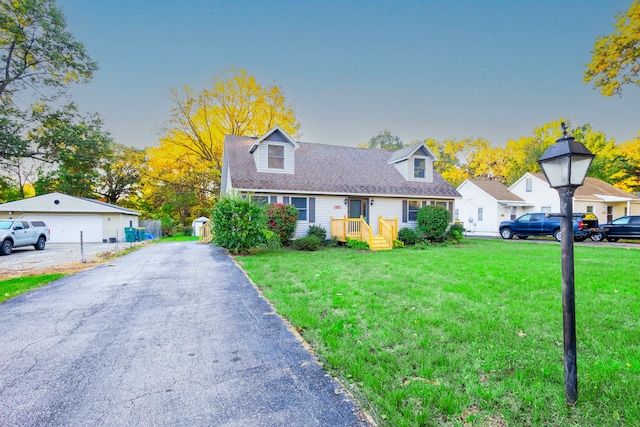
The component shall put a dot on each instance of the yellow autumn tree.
(627, 177)
(188, 160)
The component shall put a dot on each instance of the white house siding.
(261, 156)
(468, 207)
(542, 197)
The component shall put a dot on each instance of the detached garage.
(66, 216)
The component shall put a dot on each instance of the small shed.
(197, 224)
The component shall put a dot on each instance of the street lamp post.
(565, 165)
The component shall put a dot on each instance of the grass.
(468, 334)
(179, 238)
(13, 287)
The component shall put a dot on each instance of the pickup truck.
(20, 232)
(541, 224)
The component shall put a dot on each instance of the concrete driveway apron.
(172, 334)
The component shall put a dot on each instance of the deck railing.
(358, 229)
(206, 233)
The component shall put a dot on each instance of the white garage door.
(66, 228)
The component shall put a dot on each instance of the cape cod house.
(360, 193)
(484, 204)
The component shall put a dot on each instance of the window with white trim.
(529, 185)
(480, 214)
(419, 168)
(300, 203)
(275, 155)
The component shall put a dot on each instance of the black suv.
(626, 227)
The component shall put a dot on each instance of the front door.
(358, 208)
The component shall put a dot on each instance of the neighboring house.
(326, 182)
(484, 204)
(531, 193)
(595, 196)
(66, 216)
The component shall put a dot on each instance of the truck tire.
(557, 235)
(6, 247)
(597, 237)
(40, 243)
(506, 233)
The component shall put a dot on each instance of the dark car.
(626, 227)
(541, 224)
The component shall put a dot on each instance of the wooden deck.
(358, 229)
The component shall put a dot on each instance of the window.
(261, 200)
(419, 168)
(529, 184)
(589, 209)
(545, 209)
(276, 157)
(300, 203)
(456, 214)
(413, 208)
(480, 214)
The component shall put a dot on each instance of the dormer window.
(419, 168)
(276, 156)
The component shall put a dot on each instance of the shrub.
(238, 224)
(357, 244)
(398, 244)
(332, 242)
(282, 220)
(433, 222)
(455, 231)
(407, 235)
(309, 243)
(318, 231)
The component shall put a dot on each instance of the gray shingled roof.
(330, 169)
(496, 189)
(593, 186)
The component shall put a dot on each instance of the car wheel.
(612, 239)
(6, 247)
(597, 237)
(506, 233)
(557, 235)
(520, 236)
(40, 244)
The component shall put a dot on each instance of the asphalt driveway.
(173, 334)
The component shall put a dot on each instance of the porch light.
(565, 165)
(346, 200)
(371, 202)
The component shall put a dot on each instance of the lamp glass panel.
(556, 171)
(579, 168)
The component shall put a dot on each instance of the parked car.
(16, 233)
(626, 227)
(541, 224)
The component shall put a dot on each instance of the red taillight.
(580, 225)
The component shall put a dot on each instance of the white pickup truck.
(20, 232)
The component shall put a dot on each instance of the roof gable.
(405, 153)
(275, 134)
(495, 189)
(63, 203)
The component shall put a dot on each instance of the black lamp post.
(565, 165)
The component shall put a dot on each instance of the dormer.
(274, 152)
(415, 162)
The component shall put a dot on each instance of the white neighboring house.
(331, 181)
(66, 216)
(594, 196)
(484, 204)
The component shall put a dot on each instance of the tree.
(120, 173)
(384, 140)
(188, 159)
(616, 58)
(36, 50)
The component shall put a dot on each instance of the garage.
(67, 215)
(66, 228)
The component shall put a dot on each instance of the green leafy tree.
(238, 224)
(616, 58)
(36, 50)
(384, 140)
(119, 173)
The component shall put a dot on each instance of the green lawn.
(13, 287)
(469, 334)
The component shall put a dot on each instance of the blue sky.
(422, 69)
